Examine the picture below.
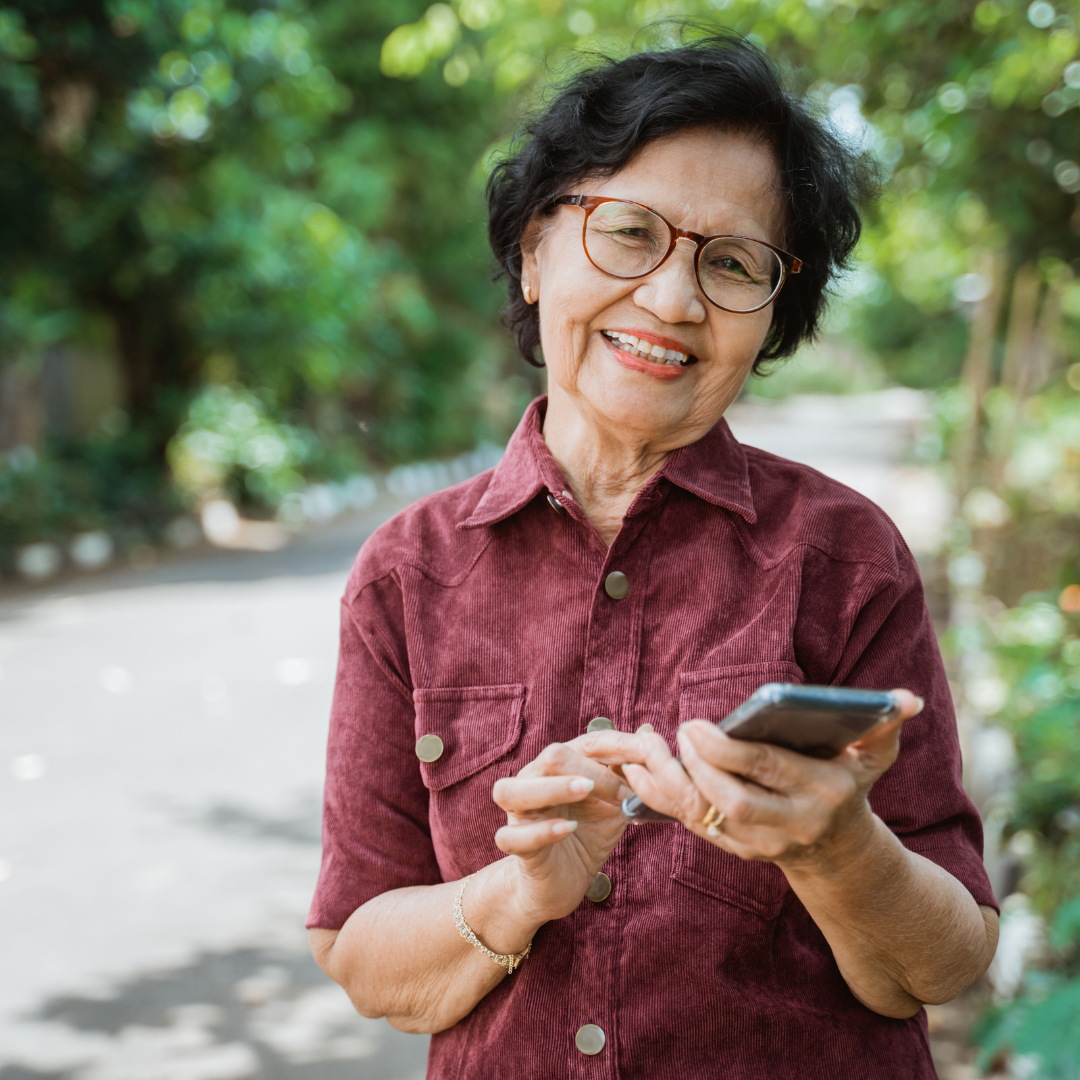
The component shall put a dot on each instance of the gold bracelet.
(506, 960)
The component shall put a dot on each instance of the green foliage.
(288, 197)
(241, 187)
(1025, 653)
(101, 482)
(1042, 1028)
(228, 444)
(1037, 649)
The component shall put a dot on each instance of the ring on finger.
(713, 821)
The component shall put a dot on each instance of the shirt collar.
(714, 468)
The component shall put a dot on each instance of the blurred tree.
(233, 193)
(287, 196)
(969, 107)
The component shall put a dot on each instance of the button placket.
(609, 687)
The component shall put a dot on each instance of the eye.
(731, 265)
(629, 232)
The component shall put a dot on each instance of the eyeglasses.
(628, 240)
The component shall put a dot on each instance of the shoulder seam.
(393, 676)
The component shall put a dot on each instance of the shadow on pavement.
(260, 1013)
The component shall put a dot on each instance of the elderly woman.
(522, 650)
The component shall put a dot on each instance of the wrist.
(846, 847)
(496, 907)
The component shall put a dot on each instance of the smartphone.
(818, 721)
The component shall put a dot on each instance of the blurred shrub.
(1037, 649)
(288, 197)
(103, 482)
(229, 446)
(1015, 559)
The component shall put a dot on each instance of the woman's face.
(703, 180)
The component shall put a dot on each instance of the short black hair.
(596, 123)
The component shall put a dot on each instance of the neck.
(606, 465)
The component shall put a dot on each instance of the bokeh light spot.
(115, 679)
(28, 767)
(1070, 598)
(1041, 14)
(294, 671)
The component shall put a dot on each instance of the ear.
(530, 264)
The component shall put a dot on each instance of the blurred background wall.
(244, 289)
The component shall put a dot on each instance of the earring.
(527, 290)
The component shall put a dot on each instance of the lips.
(647, 350)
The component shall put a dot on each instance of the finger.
(534, 836)
(684, 803)
(563, 759)
(650, 793)
(516, 794)
(910, 704)
(662, 782)
(609, 747)
(773, 767)
(885, 737)
(746, 804)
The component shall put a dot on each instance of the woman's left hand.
(777, 805)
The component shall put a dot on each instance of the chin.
(644, 406)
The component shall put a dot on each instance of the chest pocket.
(477, 726)
(480, 727)
(757, 887)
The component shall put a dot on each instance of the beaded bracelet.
(506, 960)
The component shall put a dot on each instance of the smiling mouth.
(645, 350)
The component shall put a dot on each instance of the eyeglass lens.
(629, 241)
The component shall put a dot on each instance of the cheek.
(563, 334)
(737, 339)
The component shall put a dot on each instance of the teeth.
(642, 348)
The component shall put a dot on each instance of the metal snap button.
(429, 748)
(556, 505)
(617, 585)
(600, 889)
(601, 723)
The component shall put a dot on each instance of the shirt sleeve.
(921, 796)
(375, 806)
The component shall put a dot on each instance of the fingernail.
(581, 785)
(647, 728)
(919, 706)
(563, 828)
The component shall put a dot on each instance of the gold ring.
(713, 821)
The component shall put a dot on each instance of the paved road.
(161, 745)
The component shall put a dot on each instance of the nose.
(671, 291)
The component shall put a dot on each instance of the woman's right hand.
(564, 817)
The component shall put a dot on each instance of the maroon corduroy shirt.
(480, 615)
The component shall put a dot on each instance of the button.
(590, 1039)
(556, 505)
(617, 585)
(600, 889)
(429, 748)
(601, 723)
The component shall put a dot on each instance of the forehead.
(706, 180)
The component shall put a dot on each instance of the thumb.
(884, 738)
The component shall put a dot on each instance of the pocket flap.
(477, 725)
(712, 693)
